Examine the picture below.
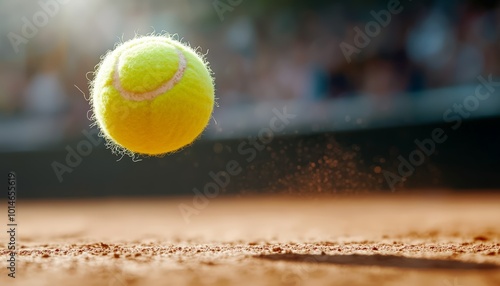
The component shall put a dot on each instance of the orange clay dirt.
(433, 239)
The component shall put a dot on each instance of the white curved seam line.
(139, 96)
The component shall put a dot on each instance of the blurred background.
(362, 79)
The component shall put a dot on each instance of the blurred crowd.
(257, 53)
(298, 55)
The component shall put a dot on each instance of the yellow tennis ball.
(152, 95)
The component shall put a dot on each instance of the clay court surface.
(432, 239)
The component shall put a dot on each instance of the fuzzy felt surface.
(152, 95)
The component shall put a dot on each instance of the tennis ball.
(152, 95)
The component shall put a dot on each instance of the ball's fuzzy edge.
(109, 142)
